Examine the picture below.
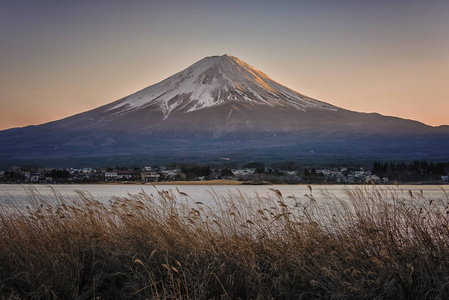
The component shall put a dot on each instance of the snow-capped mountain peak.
(213, 81)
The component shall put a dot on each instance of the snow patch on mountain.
(213, 81)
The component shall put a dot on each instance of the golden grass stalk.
(381, 243)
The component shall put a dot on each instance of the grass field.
(376, 243)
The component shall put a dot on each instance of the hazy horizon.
(60, 59)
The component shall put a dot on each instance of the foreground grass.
(375, 244)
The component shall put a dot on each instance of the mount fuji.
(221, 107)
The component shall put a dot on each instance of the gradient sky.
(59, 58)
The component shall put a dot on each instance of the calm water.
(19, 195)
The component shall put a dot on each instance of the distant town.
(251, 173)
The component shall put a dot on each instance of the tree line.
(417, 170)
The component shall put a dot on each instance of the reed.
(376, 243)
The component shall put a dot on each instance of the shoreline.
(229, 182)
(180, 182)
(203, 182)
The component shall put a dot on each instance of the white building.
(110, 175)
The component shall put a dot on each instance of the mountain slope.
(213, 81)
(221, 106)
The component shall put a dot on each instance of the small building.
(127, 175)
(149, 177)
(170, 174)
(110, 175)
(243, 172)
(87, 172)
(35, 177)
(373, 179)
(325, 172)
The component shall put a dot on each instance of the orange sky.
(61, 59)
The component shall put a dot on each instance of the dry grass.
(375, 244)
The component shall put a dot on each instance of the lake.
(18, 195)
